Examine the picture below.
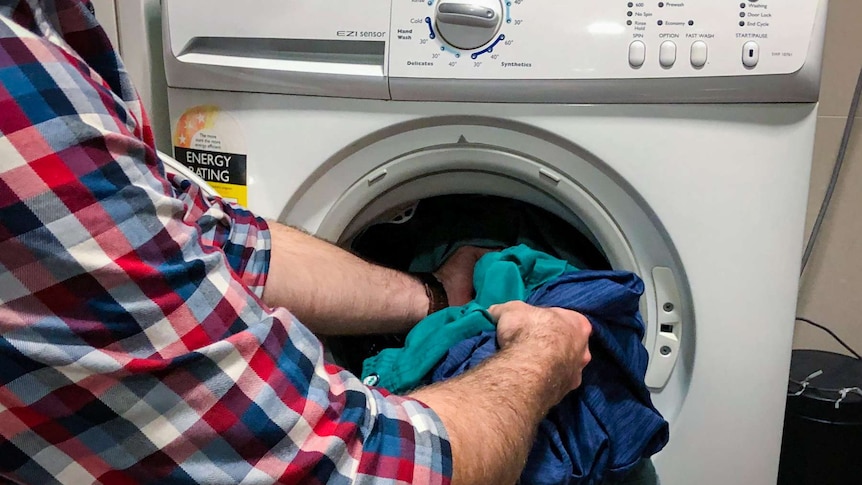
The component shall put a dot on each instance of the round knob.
(469, 25)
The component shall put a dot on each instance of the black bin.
(822, 442)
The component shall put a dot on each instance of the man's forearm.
(335, 292)
(492, 414)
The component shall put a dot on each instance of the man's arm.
(148, 331)
(334, 292)
(492, 413)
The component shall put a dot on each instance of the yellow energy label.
(209, 142)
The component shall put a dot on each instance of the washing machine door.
(493, 157)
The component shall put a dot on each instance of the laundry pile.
(601, 433)
(512, 274)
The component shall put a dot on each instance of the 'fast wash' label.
(209, 143)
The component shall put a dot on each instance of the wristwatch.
(437, 297)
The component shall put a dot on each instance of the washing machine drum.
(419, 236)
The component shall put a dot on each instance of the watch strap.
(437, 297)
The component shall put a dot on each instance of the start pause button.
(750, 54)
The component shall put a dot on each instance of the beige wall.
(831, 290)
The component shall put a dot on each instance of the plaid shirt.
(133, 344)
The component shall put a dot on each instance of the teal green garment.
(508, 275)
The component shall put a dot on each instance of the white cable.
(844, 392)
(805, 381)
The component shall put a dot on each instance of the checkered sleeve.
(132, 348)
(243, 238)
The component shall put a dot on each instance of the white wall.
(106, 14)
(134, 27)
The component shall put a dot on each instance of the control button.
(750, 54)
(667, 54)
(469, 25)
(699, 53)
(637, 53)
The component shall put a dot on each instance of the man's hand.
(554, 335)
(492, 411)
(456, 274)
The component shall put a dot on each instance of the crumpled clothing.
(605, 428)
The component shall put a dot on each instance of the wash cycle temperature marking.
(430, 28)
(432, 35)
(488, 49)
(451, 51)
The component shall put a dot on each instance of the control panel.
(598, 39)
(544, 51)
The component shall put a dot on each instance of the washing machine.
(676, 136)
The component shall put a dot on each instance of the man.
(143, 330)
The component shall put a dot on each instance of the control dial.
(468, 24)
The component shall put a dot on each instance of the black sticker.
(225, 168)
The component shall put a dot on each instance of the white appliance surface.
(692, 173)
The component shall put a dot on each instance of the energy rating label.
(209, 142)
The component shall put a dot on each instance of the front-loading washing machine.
(675, 136)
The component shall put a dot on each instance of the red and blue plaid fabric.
(134, 347)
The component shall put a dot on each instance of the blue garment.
(603, 429)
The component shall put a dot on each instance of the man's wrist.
(546, 368)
